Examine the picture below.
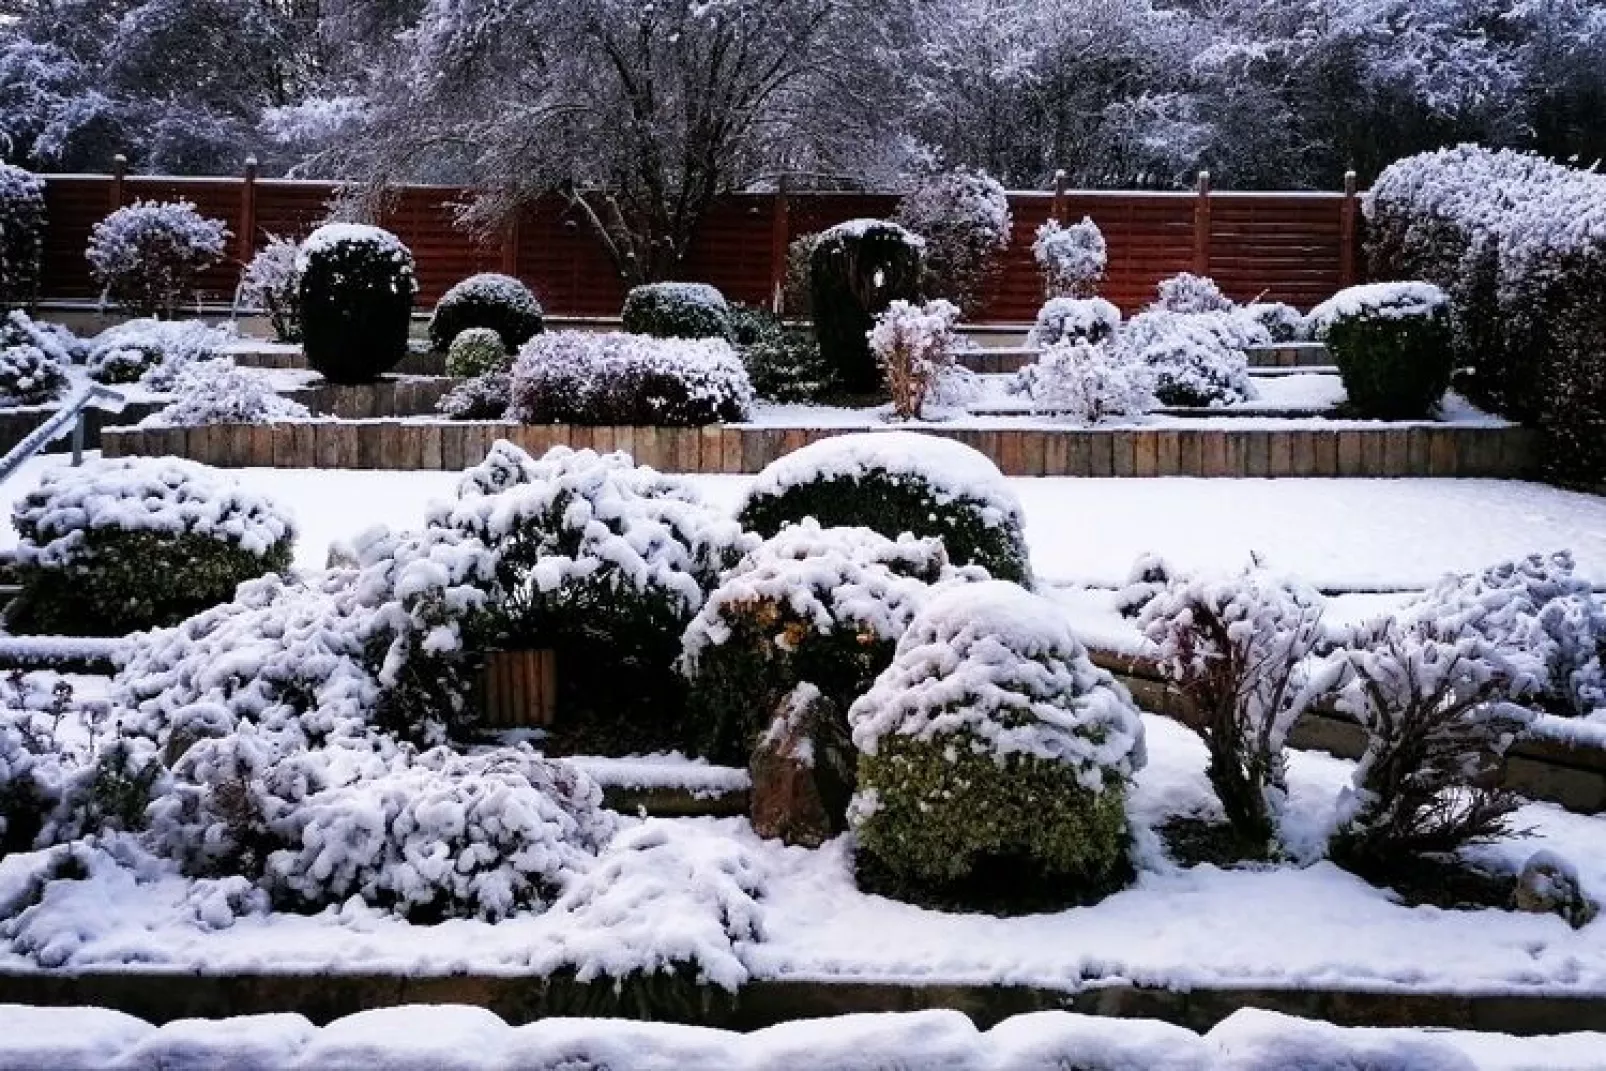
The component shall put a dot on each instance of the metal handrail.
(71, 413)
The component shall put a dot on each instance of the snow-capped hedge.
(1393, 345)
(964, 217)
(357, 289)
(272, 283)
(992, 708)
(477, 351)
(497, 302)
(1189, 293)
(221, 392)
(1519, 244)
(121, 545)
(857, 269)
(1283, 323)
(822, 607)
(149, 254)
(484, 397)
(896, 482)
(1198, 359)
(677, 310)
(1072, 259)
(159, 352)
(1064, 319)
(1087, 382)
(22, 235)
(579, 377)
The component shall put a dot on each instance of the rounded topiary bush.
(148, 255)
(477, 351)
(22, 235)
(1065, 319)
(994, 758)
(677, 310)
(498, 302)
(581, 377)
(896, 482)
(117, 546)
(357, 288)
(1393, 344)
(856, 271)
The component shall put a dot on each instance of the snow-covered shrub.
(53, 340)
(129, 544)
(607, 564)
(128, 363)
(273, 284)
(1087, 382)
(1393, 346)
(1239, 650)
(221, 392)
(488, 300)
(796, 300)
(149, 254)
(1065, 319)
(914, 345)
(964, 217)
(477, 351)
(1283, 323)
(164, 350)
(22, 236)
(581, 377)
(677, 310)
(357, 288)
(484, 397)
(1539, 608)
(857, 269)
(1187, 293)
(1439, 706)
(994, 756)
(815, 606)
(896, 482)
(1072, 259)
(1148, 577)
(1197, 360)
(29, 376)
(783, 363)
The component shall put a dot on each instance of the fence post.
(780, 238)
(248, 211)
(1201, 227)
(510, 243)
(1059, 196)
(1349, 220)
(119, 172)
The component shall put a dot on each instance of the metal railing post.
(78, 440)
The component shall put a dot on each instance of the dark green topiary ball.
(357, 288)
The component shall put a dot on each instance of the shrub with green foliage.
(1393, 345)
(896, 482)
(677, 310)
(477, 351)
(856, 271)
(498, 302)
(148, 255)
(994, 758)
(357, 288)
(22, 236)
(783, 363)
(117, 546)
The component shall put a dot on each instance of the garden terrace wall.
(1294, 247)
(1376, 451)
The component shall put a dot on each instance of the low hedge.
(1393, 346)
(677, 310)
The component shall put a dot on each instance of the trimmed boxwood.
(677, 310)
(498, 302)
(357, 289)
(22, 236)
(857, 269)
(1394, 347)
(478, 351)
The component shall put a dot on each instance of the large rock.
(803, 771)
(1548, 885)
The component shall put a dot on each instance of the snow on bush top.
(623, 378)
(33, 360)
(175, 345)
(1283, 322)
(167, 496)
(953, 470)
(1001, 664)
(1064, 318)
(855, 229)
(1191, 293)
(1379, 301)
(1073, 259)
(57, 343)
(221, 392)
(702, 294)
(503, 290)
(271, 273)
(963, 206)
(379, 242)
(1198, 358)
(1087, 382)
(121, 242)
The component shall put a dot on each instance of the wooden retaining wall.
(1372, 451)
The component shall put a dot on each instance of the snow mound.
(1379, 301)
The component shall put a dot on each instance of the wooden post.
(248, 212)
(520, 689)
(1201, 227)
(119, 173)
(1059, 196)
(510, 244)
(1348, 232)
(780, 237)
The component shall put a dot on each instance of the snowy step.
(65, 654)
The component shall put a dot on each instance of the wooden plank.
(1190, 452)
(710, 452)
(1349, 452)
(1101, 454)
(1032, 452)
(730, 450)
(1146, 453)
(1123, 453)
(1326, 453)
(1057, 453)
(1168, 453)
(1280, 454)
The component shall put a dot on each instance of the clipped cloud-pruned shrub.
(856, 271)
(579, 377)
(897, 482)
(1392, 343)
(116, 546)
(148, 255)
(496, 302)
(1198, 360)
(677, 310)
(964, 217)
(994, 757)
(357, 289)
(1087, 382)
(477, 351)
(22, 236)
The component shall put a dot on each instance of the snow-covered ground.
(458, 1038)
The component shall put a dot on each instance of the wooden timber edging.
(1380, 450)
(1541, 768)
(163, 996)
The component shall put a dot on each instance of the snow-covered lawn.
(1339, 534)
